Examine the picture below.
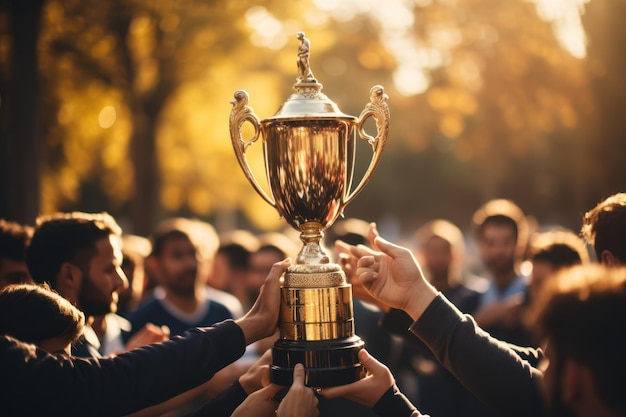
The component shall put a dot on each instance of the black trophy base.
(326, 363)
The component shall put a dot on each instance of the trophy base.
(326, 363)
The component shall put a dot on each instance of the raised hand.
(258, 375)
(259, 403)
(300, 400)
(391, 274)
(262, 319)
(366, 391)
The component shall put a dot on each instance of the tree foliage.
(136, 102)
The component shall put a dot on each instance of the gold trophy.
(309, 150)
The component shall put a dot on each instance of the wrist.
(419, 298)
(250, 328)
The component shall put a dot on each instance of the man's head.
(182, 252)
(582, 316)
(79, 256)
(14, 238)
(273, 247)
(441, 248)
(232, 259)
(35, 314)
(551, 252)
(502, 233)
(604, 227)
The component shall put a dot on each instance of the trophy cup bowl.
(309, 151)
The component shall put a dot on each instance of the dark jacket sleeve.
(395, 404)
(487, 367)
(115, 386)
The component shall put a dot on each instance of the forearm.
(120, 385)
(487, 367)
(224, 404)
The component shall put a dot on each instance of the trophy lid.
(308, 101)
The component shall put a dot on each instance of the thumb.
(273, 278)
(370, 363)
(298, 375)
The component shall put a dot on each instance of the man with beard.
(180, 302)
(502, 235)
(78, 255)
(181, 249)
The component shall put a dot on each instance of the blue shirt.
(161, 312)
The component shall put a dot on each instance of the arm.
(377, 390)
(116, 386)
(486, 366)
(136, 379)
(489, 368)
(253, 381)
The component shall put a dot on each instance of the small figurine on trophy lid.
(309, 151)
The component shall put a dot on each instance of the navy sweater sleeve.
(115, 386)
(487, 367)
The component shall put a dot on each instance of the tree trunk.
(19, 154)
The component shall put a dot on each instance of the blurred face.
(13, 272)
(221, 272)
(261, 263)
(541, 273)
(497, 248)
(437, 256)
(178, 266)
(103, 279)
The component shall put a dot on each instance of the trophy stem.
(312, 252)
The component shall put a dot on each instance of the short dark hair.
(14, 238)
(582, 312)
(604, 226)
(33, 313)
(66, 237)
(162, 237)
(498, 220)
(558, 248)
(201, 234)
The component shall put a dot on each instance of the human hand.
(258, 375)
(300, 400)
(391, 274)
(366, 391)
(262, 319)
(348, 264)
(259, 403)
(148, 334)
(505, 313)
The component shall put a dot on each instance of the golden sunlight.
(564, 15)
(107, 117)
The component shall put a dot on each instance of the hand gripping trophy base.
(316, 320)
(327, 363)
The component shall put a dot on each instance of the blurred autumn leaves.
(485, 102)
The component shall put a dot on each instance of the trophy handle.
(379, 110)
(239, 114)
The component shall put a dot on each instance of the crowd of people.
(94, 321)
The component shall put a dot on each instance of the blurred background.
(123, 105)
